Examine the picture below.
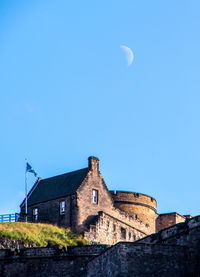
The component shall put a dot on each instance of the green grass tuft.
(38, 234)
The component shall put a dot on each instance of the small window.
(95, 196)
(129, 235)
(101, 221)
(114, 227)
(123, 233)
(35, 214)
(134, 237)
(62, 207)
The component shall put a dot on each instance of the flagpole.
(26, 202)
(27, 169)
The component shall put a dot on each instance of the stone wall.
(87, 210)
(179, 234)
(109, 230)
(49, 212)
(138, 205)
(48, 261)
(166, 220)
(141, 260)
(183, 234)
(172, 252)
(134, 197)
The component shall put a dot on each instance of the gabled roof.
(56, 187)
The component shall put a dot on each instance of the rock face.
(174, 252)
(13, 244)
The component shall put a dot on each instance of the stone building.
(81, 200)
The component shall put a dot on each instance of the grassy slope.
(38, 234)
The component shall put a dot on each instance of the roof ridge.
(64, 174)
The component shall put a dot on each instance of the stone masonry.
(47, 261)
(174, 252)
(102, 216)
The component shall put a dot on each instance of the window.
(123, 233)
(108, 223)
(114, 227)
(95, 196)
(129, 235)
(35, 214)
(62, 207)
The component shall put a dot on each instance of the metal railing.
(9, 217)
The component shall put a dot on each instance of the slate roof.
(56, 187)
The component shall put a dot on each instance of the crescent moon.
(129, 54)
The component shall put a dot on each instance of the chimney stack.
(93, 163)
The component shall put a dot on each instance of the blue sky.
(68, 93)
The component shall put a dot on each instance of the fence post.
(16, 217)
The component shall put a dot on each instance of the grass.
(37, 234)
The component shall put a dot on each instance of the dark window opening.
(123, 233)
(114, 227)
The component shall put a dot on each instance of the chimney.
(93, 163)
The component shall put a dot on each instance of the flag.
(30, 169)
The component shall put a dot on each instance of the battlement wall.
(110, 230)
(137, 259)
(139, 206)
(134, 197)
(47, 261)
(178, 234)
(173, 251)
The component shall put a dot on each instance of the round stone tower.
(140, 206)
